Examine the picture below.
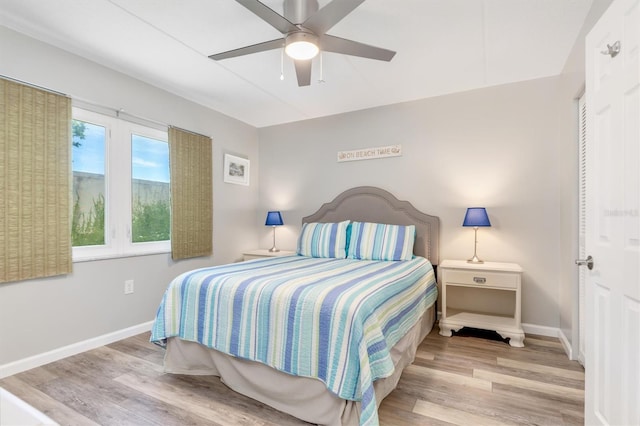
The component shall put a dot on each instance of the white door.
(612, 389)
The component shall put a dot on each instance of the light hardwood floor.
(456, 380)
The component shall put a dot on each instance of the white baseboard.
(25, 364)
(566, 345)
(540, 330)
(543, 330)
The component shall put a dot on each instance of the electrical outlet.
(128, 287)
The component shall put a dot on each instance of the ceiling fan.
(304, 29)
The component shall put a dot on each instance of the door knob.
(588, 262)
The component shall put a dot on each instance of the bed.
(330, 362)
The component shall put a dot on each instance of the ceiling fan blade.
(270, 16)
(349, 47)
(303, 72)
(321, 21)
(254, 48)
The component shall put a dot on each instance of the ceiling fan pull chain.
(321, 70)
(282, 64)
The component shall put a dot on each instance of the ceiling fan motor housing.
(298, 11)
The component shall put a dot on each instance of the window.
(150, 196)
(88, 153)
(121, 197)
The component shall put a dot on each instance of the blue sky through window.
(149, 157)
(89, 156)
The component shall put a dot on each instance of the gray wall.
(37, 316)
(495, 147)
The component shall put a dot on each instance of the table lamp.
(476, 216)
(274, 218)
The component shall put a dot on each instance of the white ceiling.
(443, 46)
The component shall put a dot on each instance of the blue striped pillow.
(378, 241)
(323, 240)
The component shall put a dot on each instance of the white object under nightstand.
(481, 295)
(260, 253)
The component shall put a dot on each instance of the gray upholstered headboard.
(371, 204)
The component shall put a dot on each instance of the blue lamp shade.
(476, 216)
(274, 219)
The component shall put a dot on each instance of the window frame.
(118, 189)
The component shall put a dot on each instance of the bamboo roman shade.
(191, 194)
(35, 182)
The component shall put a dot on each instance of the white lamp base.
(475, 259)
(274, 249)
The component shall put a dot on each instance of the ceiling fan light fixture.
(301, 46)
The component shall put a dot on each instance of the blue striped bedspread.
(331, 319)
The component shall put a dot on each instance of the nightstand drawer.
(482, 279)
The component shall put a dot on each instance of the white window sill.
(91, 258)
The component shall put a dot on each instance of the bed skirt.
(305, 398)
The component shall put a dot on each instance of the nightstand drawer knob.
(479, 280)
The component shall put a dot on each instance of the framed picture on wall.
(236, 170)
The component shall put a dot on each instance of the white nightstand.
(481, 295)
(257, 254)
